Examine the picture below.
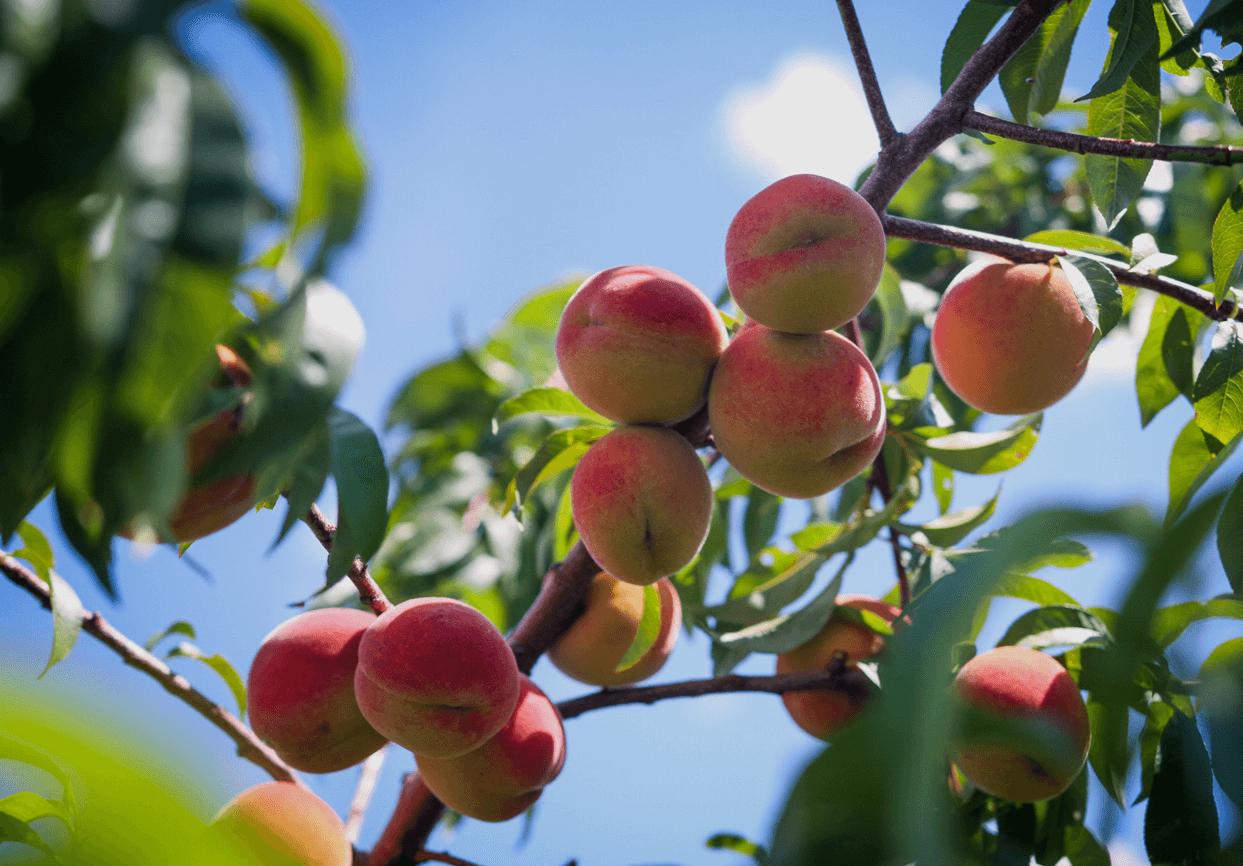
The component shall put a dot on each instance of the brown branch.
(369, 591)
(901, 155)
(249, 746)
(1024, 251)
(851, 681)
(412, 822)
(867, 74)
(1127, 148)
(879, 481)
(425, 856)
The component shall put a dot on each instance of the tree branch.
(1127, 148)
(851, 681)
(867, 74)
(1023, 251)
(369, 591)
(425, 856)
(901, 155)
(363, 792)
(249, 746)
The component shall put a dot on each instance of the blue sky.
(511, 144)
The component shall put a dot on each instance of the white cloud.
(810, 116)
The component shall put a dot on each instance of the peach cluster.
(434, 675)
(1024, 730)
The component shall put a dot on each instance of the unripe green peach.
(1026, 735)
(592, 647)
(1011, 339)
(642, 503)
(283, 824)
(436, 676)
(301, 691)
(637, 344)
(796, 414)
(504, 776)
(823, 712)
(804, 255)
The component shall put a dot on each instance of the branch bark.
(249, 746)
(1128, 148)
(369, 591)
(851, 681)
(885, 129)
(1023, 251)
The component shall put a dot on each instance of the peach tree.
(194, 384)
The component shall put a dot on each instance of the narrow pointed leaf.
(1168, 623)
(1192, 462)
(1218, 390)
(362, 491)
(547, 401)
(1230, 537)
(973, 26)
(1076, 240)
(1062, 27)
(649, 629)
(179, 627)
(560, 451)
(220, 665)
(67, 616)
(1097, 291)
(984, 453)
(1180, 822)
(949, 529)
(1163, 369)
(1227, 242)
(784, 633)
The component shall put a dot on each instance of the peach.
(796, 414)
(823, 712)
(642, 503)
(1028, 733)
(637, 344)
(804, 255)
(1011, 339)
(211, 506)
(597, 641)
(503, 777)
(283, 823)
(436, 676)
(301, 691)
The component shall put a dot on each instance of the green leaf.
(1173, 23)
(333, 175)
(894, 318)
(984, 453)
(1230, 537)
(547, 401)
(784, 633)
(973, 26)
(648, 632)
(1097, 291)
(67, 617)
(1180, 823)
(557, 453)
(26, 806)
(1017, 585)
(1126, 107)
(1057, 625)
(36, 550)
(763, 510)
(1159, 715)
(1218, 14)
(220, 665)
(1107, 751)
(1168, 623)
(362, 491)
(942, 485)
(1227, 243)
(1083, 849)
(1192, 462)
(1032, 78)
(89, 542)
(1221, 703)
(738, 844)
(179, 627)
(1218, 390)
(1076, 240)
(15, 830)
(1133, 37)
(1164, 367)
(307, 481)
(949, 529)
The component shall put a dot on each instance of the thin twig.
(249, 746)
(1126, 148)
(412, 822)
(425, 856)
(851, 681)
(363, 792)
(879, 481)
(867, 74)
(1024, 251)
(369, 591)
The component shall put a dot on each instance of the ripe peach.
(282, 823)
(804, 255)
(797, 414)
(1011, 339)
(504, 776)
(1028, 733)
(642, 503)
(592, 647)
(637, 345)
(436, 676)
(301, 691)
(823, 712)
